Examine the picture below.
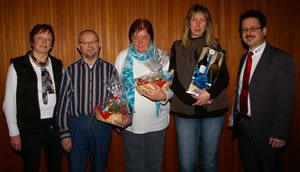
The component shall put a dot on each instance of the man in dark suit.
(264, 98)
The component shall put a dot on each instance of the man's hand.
(276, 143)
(127, 120)
(15, 142)
(66, 143)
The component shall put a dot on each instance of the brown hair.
(140, 24)
(41, 28)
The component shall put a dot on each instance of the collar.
(82, 62)
(259, 48)
(37, 62)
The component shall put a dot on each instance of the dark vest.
(28, 110)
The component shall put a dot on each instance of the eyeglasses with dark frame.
(251, 29)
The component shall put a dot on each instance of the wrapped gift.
(111, 110)
(207, 69)
(114, 106)
(158, 60)
(157, 76)
(161, 79)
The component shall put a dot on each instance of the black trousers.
(257, 159)
(32, 145)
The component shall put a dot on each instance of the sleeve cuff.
(65, 134)
(13, 130)
(169, 95)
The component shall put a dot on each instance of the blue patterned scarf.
(127, 74)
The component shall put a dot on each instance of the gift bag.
(114, 106)
(207, 69)
(157, 76)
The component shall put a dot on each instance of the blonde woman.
(199, 121)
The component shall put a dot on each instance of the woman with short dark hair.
(32, 88)
(144, 139)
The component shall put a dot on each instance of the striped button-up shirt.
(82, 88)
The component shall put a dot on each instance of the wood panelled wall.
(111, 19)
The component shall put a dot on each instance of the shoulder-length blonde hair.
(208, 33)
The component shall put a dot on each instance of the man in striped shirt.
(83, 87)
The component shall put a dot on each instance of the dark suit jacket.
(272, 91)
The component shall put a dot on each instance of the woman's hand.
(15, 142)
(153, 92)
(203, 98)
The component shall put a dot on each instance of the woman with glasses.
(32, 87)
(144, 139)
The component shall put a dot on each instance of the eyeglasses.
(93, 43)
(251, 29)
(142, 38)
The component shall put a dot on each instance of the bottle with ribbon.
(206, 70)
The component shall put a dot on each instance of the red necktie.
(245, 87)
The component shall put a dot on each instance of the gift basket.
(114, 106)
(157, 76)
(207, 69)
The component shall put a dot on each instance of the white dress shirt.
(257, 52)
